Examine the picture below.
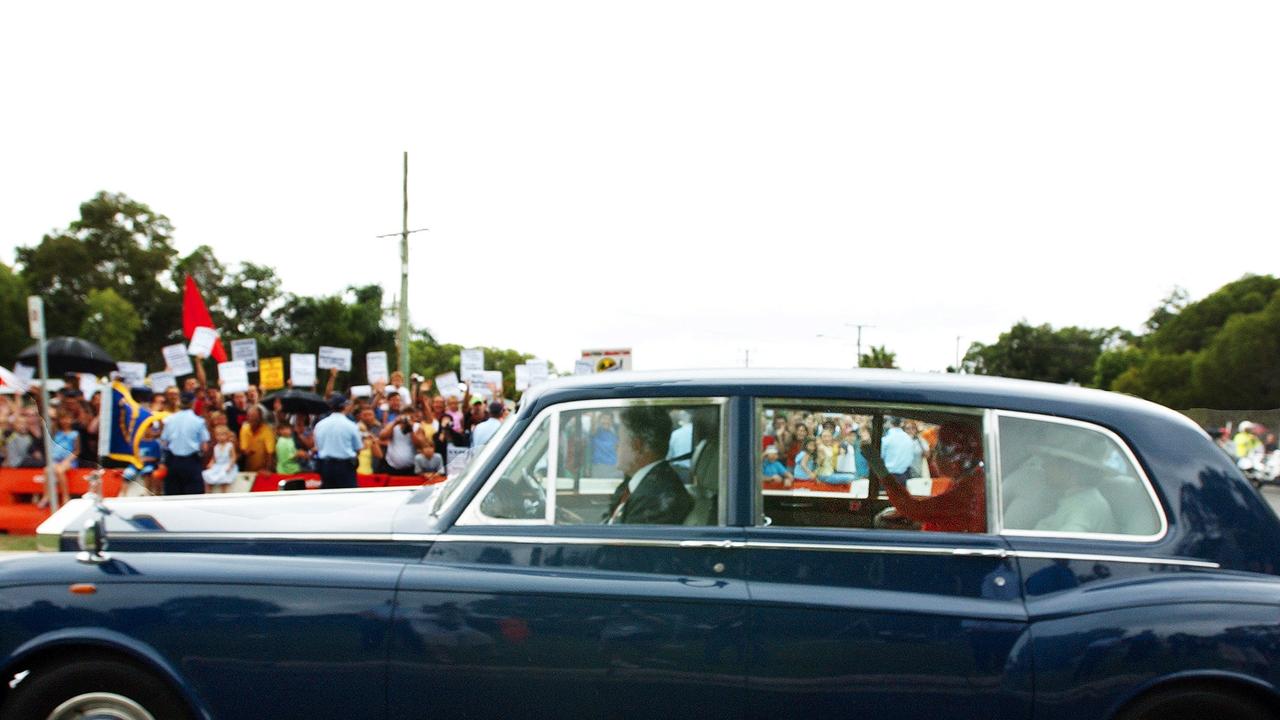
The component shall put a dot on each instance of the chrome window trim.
(1129, 456)
(616, 541)
(472, 516)
(995, 497)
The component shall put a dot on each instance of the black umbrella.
(296, 401)
(69, 354)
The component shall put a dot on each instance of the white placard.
(583, 367)
(538, 371)
(335, 357)
(247, 351)
(493, 378)
(472, 361)
(162, 381)
(88, 384)
(134, 374)
(375, 365)
(24, 373)
(302, 369)
(522, 378)
(233, 376)
(177, 360)
(361, 391)
(202, 340)
(447, 384)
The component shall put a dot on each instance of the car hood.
(313, 512)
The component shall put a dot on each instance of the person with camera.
(402, 437)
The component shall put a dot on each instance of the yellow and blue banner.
(129, 424)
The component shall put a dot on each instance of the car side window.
(1063, 477)
(629, 462)
(520, 491)
(854, 466)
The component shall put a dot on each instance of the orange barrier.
(21, 487)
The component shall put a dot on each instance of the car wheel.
(94, 688)
(1196, 703)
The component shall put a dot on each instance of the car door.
(547, 597)
(869, 601)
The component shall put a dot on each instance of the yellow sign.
(271, 373)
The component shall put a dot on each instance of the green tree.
(1193, 327)
(112, 322)
(1162, 378)
(878, 357)
(353, 319)
(431, 359)
(13, 316)
(1241, 367)
(1039, 352)
(116, 243)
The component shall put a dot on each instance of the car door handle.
(722, 544)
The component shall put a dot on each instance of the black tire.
(49, 686)
(1198, 702)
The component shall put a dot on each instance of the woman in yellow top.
(371, 452)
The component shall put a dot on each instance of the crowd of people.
(203, 439)
(827, 448)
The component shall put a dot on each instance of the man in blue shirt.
(337, 445)
(897, 449)
(482, 433)
(184, 438)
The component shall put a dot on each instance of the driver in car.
(651, 492)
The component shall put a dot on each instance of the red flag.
(196, 314)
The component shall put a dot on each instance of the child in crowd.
(149, 453)
(807, 460)
(773, 469)
(222, 466)
(427, 463)
(66, 447)
(287, 452)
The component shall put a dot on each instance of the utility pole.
(403, 339)
(859, 326)
(957, 365)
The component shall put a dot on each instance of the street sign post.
(35, 318)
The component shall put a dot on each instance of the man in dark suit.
(651, 493)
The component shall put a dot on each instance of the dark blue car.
(702, 545)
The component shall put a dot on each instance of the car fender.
(103, 639)
(1225, 677)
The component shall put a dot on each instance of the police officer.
(337, 444)
(185, 435)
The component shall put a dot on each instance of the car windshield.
(472, 461)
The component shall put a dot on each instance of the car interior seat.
(705, 477)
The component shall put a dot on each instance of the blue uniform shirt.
(337, 438)
(897, 449)
(183, 433)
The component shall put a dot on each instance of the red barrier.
(20, 487)
(267, 482)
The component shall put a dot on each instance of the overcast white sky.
(691, 179)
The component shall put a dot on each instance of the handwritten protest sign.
(448, 385)
(162, 381)
(177, 360)
(233, 376)
(522, 378)
(246, 351)
(134, 374)
(302, 369)
(583, 367)
(361, 391)
(538, 371)
(202, 341)
(375, 364)
(271, 373)
(472, 365)
(335, 357)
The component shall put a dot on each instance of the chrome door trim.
(551, 539)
